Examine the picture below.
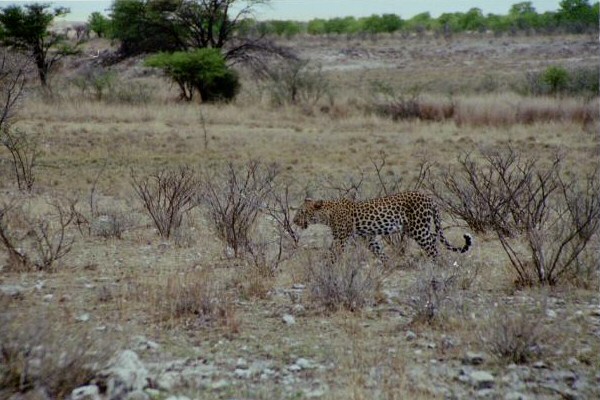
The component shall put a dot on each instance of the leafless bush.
(559, 219)
(380, 180)
(36, 242)
(234, 198)
(543, 221)
(24, 151)
(297, 82)
(167, 195)
(350, 281)
(13, 72)
(513, 335)
(39, 353)
(482, 192)
(17, 259)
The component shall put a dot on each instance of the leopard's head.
(310, 212)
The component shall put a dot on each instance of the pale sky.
(303, 10)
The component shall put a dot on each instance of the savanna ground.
(208, 324)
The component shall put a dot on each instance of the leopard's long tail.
(450, 246)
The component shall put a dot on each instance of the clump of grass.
(40, 353)
(350, 280)
(194, 299)
(436, 295)
(514, 335)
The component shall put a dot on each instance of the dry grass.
(191, 297)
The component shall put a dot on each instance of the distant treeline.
(573, 16)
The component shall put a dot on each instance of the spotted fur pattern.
(407, 212)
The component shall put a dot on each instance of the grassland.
(107, 293)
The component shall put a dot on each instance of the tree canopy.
(27, 28)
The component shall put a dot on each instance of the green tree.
(391, 22)
(27, 28)
(472, 20)
(524, 16)
(578, 15)
(316, 26)
(202, 70)
(420, 22)
(144, 26)
(99, 24)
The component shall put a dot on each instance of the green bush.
(202, 71)
(556, 78)
(581, 81)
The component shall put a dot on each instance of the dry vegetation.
(137, 215)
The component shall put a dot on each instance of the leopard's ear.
(317, 204)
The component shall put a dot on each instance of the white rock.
(298, 286)
(410, 336)
(126, 373)
(303, 363)
(137, 395)
(88, 392)
(481, 380)
(472, 358)
(294, 368)
(85, 317)
(241, 363)
(288, 319)
(242, 373)
(220, 384)
(12, 290)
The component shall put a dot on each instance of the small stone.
(298, 286)
(298, 309)
(314, 393)
(539, 365)
(410, 336)
(48, 298)
(153, 393)
(515, 396)
(242, 373)
(16, 291)
(567, 377)
(551, 313)
(137, 395)
(88, 392)
(289, 319)
(85, 317)
(481, 380)
(220, 384)
(472, 358)
(241, 363)
(303, 363)
(294, 368)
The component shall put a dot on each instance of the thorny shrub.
(234, 198)
(36, 241)
(543, 220)
(167, 195)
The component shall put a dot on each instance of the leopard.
(409, 213)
